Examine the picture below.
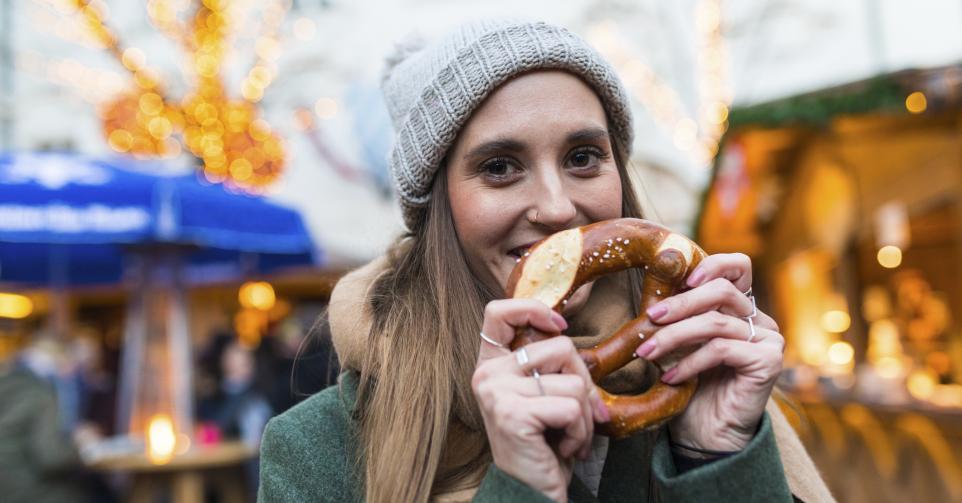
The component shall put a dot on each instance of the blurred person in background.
(300, 364)
(507, 132)
(97, 394)
(39, 461)
(238, 409)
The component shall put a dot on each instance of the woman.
(507, 133)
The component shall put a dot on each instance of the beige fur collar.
(350, 322)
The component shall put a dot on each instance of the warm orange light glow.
(813, 347)
(251, 92)
(133, 58)
(241, 169)
(120, 140)
(889, 367)
(15, 306)
(921, 384)
(147, 122)
(151, 103)
(250, 324)
(161, 440)
(916, 102)
(947, 395)
(159, 127)
(257, 295)
(841, 353)
(890, 257)
(836, 321)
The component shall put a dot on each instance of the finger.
(762, 361)
(564, 414)
(697, 330)
(735, 267)
(571, 386)
(502, 317)
(556, 355)
(559, 355)
(716, 295)
(763, 320)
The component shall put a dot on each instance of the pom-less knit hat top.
(431, 91)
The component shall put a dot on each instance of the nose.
(551, 203)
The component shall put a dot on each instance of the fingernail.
(559, 320)
(695, 278)
(646, 348)
(667, 377)
(603, 412)
(657, 311)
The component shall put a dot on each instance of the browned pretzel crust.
(554, 268)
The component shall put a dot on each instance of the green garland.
(879, 94)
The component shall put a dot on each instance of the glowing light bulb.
(15, 306)
(161, 440)
(890, 256)
(916, 102)
(841, 353)
(257, 295)
(836, 321)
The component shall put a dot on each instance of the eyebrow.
(588, 134)
(509, 145)
(494, 147)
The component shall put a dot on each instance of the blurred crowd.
(60, 397)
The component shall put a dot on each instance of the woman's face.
(534, 159)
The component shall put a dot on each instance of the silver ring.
(748, 293)
(751, 328)
(754, 308)
(537, 380)
(490, 341)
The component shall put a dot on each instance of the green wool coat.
(309, 454)
(37, 460)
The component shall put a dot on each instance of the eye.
(496, 167)
(586, 157)
(581, 159)
(499, 170)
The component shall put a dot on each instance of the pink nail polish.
(657, 311)
(668, 376)
(695, 278)
(646, 348)
(559, 320)
(603, 412)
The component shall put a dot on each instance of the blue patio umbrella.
(69, 219)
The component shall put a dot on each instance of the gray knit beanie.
(431, 91)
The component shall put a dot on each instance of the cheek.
(604, 198)
(481, 219)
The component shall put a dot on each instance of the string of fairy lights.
(141, 118)
(697, 134)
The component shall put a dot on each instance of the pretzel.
(551, 271)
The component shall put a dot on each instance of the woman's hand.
(517, 412)
(736, 375)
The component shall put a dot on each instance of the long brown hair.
(416, 387)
